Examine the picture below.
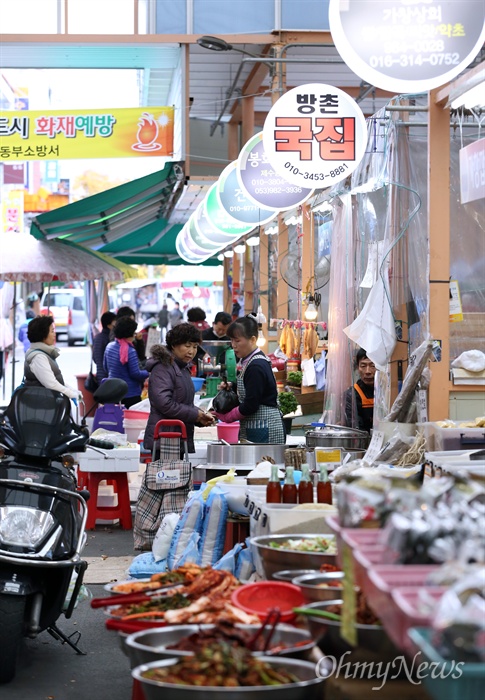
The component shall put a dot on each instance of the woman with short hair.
(170, 387)
(121, 361)
(40, 366)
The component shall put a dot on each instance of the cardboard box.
(121, 459)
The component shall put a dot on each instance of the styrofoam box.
(456, 438)
(282, 518)
(121, 459)
(132, 428)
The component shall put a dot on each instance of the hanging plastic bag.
(225, 400)
(308, 369)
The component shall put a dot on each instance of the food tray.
(410, 607)
(469, 686)
(378, 583)
(454, 438)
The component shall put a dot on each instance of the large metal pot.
(243, 455)
(334, 436)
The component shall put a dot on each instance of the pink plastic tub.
(228, 432)
(380, 581)
(411, 607)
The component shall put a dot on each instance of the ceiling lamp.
(220, 256)
(228, 254)
(196, 291)
(214, 43)
(239, 248)
(254, 240)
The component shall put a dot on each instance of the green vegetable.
(317, 613)
(287, 402)
(295, 378)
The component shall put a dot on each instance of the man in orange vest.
(359, 399)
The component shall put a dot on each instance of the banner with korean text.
(97, 133)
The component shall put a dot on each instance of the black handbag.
(91, 383)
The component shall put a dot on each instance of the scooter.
(42, 516)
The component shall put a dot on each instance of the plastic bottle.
(273, 489)
(290, 492)
(305, 487)
(324, 487)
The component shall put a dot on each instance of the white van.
(67, 307)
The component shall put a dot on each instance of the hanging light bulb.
(196, 291)
(220, 256)
(240, 248)
(311, 311)
(228, 254)
(254, 240)
(261, 341)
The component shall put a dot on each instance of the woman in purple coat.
(170, 387)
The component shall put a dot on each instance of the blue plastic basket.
(198, 382)
(470, 684)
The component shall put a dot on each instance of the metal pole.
(14, 333)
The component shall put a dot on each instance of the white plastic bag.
(308, 369)
(163, 538)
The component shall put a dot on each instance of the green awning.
(129, 222)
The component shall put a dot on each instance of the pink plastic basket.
(379, 582)
(411, 607)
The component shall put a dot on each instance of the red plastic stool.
(137, 692)
(121, 512)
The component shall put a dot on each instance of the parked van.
(67, 307)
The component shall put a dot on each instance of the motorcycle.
(42, 516)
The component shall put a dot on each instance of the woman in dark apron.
(258, 411)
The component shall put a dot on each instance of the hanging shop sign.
(315, 135)
(234, 201)
(220, 219)
(261, 183)
(98, 133)
(200, 239)
(472, 172)
(407, 45)
(187, 250)
(207, 230)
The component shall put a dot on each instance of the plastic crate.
(379, 582)
(457, 438)
(469, 686)
(411, 607)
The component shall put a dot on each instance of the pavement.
(49, 670)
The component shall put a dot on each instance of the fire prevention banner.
(98, 133)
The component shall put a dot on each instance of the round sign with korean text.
(233, 199)
(261, 183)
(220, 219)
(407, 45)
(315, 135)
(200, 239)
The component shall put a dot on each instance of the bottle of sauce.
(324, 487)
(273, 489)
(305, 487)
(290, 492)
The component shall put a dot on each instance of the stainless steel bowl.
(273, 560)
(327, 635)
(309, 687)
(313, 586)
(290, 574)
(151, 645)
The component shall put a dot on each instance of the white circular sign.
(315, 135)
(407, 45)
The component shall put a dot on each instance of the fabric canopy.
(25, 259)
(129, 222)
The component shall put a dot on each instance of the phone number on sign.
(339, 170)
(434, 59)
(277, 190)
